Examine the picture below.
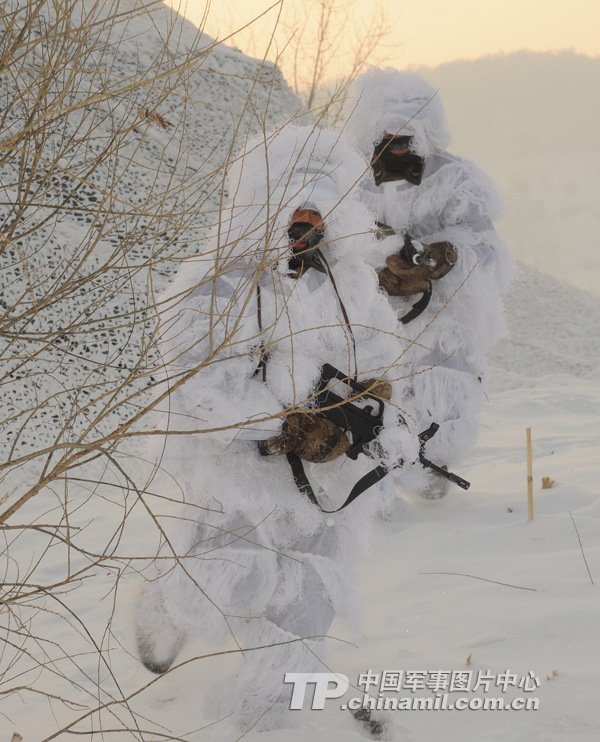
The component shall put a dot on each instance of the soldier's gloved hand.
(402, 277)
(378, 388)
(312, 437)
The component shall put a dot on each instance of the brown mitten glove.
(311, 436)
(402, 278)
(378, 388)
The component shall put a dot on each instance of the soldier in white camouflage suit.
(440, 259)
(281, 290)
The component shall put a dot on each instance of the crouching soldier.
(440, 260)
(277, 325)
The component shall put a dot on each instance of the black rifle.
(364, 419)
(412, 254)
(362, 416)
(409, 252)
(423, 438)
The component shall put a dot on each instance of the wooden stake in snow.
(529, 477)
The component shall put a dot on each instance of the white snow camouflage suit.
(259, 561)
(457, 203)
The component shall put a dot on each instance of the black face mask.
(394, 160)
(305, 232)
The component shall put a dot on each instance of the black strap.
(372, 477)
(419, 307)
(343, 308)
(264, 357)
(384, 230)
(305, 487)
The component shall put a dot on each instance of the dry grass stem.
(529, 476)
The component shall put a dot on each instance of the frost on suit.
(455, 202)
(259, 565)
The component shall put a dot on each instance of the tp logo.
(321, 682)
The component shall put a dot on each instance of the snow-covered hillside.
(464, 584)
(118, 171)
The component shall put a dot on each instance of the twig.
(475, 577)
(581, 547)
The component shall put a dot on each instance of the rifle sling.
(370, 478)
(419, 307)
(305, 487)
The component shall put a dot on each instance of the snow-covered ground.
(465, 584)
(462, 585)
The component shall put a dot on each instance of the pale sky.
(430, 32)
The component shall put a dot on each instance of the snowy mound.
(116, 141)
(553, 329)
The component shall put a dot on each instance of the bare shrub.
(111, 168)
(321, 46)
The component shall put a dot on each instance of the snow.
(466, 583)
(468, 578)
